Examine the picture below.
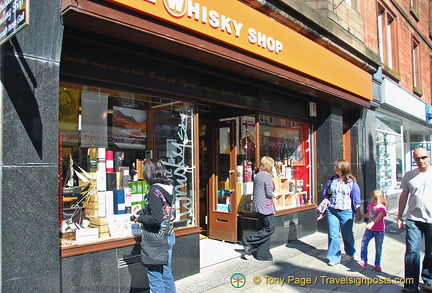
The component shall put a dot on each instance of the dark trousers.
(261, 239)
(415, 231)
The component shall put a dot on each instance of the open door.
(222, 223)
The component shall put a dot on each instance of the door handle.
(231, 171)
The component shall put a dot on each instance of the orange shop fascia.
(241, 26)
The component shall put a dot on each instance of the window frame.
(430, 19)
(430, 71)
(386, 38)
(414, 9)
(354, 4)
(416, 67)
(129, 240)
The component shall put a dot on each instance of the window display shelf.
(291, 199)
(284, 185)
(288, 195)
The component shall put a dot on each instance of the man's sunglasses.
(421, 158)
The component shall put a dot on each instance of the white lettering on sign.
(4, 4)
(17, 4)
(197, 12)
(12, 19)
(176, 8)
(178, 166)
(6, 16)
(179, 8)
(261, 40)
(20, 17)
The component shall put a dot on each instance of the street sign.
(14, 16)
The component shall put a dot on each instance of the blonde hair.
(267, 164)
(379, 194)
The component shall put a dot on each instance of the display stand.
(288, 194)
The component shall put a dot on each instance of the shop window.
(387, 45)
(244, 128)
(390, 167)
(416, 141)
(287, 142)
(104, 138)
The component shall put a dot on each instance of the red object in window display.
(109, 161)
(60, 179)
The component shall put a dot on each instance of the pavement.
(301, 266)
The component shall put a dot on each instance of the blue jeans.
(160, 277)
(340, 221)
(415, 231)
(379, 239)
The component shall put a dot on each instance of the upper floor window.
(414, 9)
(351, 4)
(387, 38)
(430, 72)
(416, 66)
(430, 19)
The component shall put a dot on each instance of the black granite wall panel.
(288, 227)
(30, 61)
(120, 270)
(329, 149)
(186, 256)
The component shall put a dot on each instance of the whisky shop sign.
(238, 25)
(14, 16)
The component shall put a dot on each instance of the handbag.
(154, 250)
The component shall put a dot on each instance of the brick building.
(399, 32)
(397, 36)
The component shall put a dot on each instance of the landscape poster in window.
(129, 125)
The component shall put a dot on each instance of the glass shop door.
(223, 180)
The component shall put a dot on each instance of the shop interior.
(209, 149)
(228, 152)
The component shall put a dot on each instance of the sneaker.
(378, 268)
(361, 263)
(332, 264)
(427, 287)
(409, 290)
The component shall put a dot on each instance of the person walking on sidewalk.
(263, 206)
(343, 192)
(416, 188)
(375, 228)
